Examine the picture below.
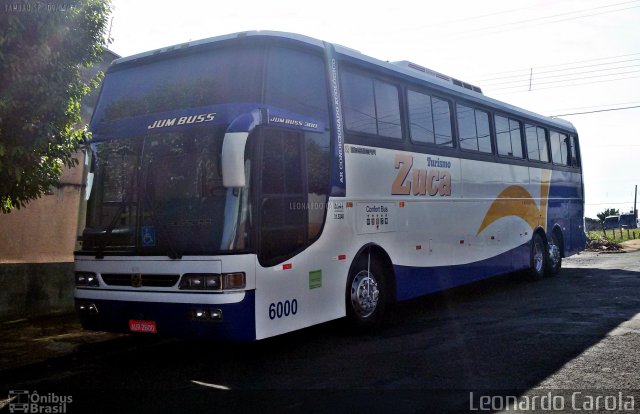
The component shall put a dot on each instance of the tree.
(43, 47)
(608, 212)
(592, 224)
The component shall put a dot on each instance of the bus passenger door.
(283, 213)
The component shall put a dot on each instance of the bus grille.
(147, 280)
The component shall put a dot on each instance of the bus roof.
(404, 68)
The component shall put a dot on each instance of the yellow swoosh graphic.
(517, 201)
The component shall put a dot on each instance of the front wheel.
(538, 257)
(366, 292)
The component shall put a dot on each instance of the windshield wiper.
(127, 197)
(126, 201)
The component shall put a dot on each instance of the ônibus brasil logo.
(22, 401)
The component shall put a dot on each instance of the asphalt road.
(448, 352)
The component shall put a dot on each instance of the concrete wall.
(45, 230)
(34, 289)
(36, 252)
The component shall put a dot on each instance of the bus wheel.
(554, 260)
(366, 294)
(538, 257)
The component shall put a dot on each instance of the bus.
(253, 184)
(628, 220)
(611, 222)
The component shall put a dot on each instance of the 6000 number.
(283, 309)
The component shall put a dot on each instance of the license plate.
(142, 326)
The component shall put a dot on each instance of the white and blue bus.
(254, 184)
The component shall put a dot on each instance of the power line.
(613, 147)
(527, 23)
(593, 107)
(566, 86)
(491, 29)
(535, 75)
(604, 204)
(482, 16)
(570, 80)
(565, 80)
(558, 65)
(600, 110)
(448, 23)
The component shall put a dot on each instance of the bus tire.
(366, 293)
(538, 257)
(554, 258)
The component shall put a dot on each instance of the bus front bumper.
(227, 321)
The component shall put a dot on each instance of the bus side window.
(473, 127)
(559, 148)
(508, 137)
(429, 119)
(371, 106)
(536, 143)
(542, 144)
(573, 151)
(296, 82)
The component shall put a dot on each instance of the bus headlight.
(196, 281)
(87, 279)
(212, 281)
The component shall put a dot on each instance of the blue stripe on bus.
(174, 319)
(412, 282)
(338, 171)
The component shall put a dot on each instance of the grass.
(615, 236)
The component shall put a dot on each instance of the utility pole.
(110, 27)
(635, 199)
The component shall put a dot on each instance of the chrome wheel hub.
(554, 254)
(538, 257)
(364, 294)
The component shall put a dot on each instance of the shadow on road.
(495, 337)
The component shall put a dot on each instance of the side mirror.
(233, 147)
(233, 159)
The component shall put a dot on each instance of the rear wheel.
(554, 260)
(538, 257)
(366, 291)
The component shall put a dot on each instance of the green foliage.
(592, 224)
(614, 236)
(608, 212)
(42, 51)
(591, 221)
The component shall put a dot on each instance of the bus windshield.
(163, 194)
(196, 80)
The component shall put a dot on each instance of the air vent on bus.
(427, 71)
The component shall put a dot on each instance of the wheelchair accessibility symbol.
(148, 236)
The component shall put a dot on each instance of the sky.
(553, 57)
